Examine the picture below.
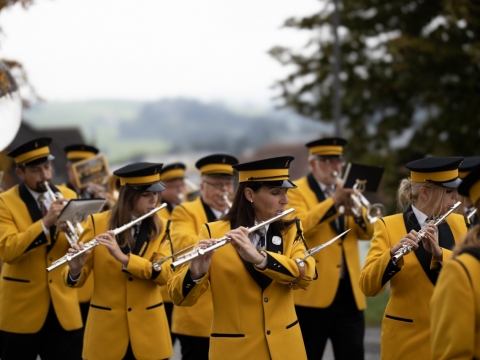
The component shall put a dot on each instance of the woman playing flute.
(126, 319)
(252, 277)
(429, 192)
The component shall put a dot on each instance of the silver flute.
(91, 244)
(316, 249)
(182, 259)
(471, 213)
(406, 248)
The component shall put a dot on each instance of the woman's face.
(440, 200)
(145, 203)
(267, 202)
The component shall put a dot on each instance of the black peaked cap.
(272, 172)
(141, 176)
(25, 154)
(442, 171)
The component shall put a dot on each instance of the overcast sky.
(212, 50)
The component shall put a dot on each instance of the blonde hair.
(408, 193)
(472, 240)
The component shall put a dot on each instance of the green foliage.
(376, 308)
(410, 75)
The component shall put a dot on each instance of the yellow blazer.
(254, 315)
(455, 305)
(316, 217)
(126, 304)
(26, 289)
(406, 323)
(187, 220)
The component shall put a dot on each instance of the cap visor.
(450, 184)
(157, 187)
(279, 184)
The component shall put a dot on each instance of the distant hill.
(126, 130)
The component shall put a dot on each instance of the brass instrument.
(72, 230)
(91, 244)
(223, 241)
(406, 248)
(374, 211)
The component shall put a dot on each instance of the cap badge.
(286, 164)
(36, 145)
(224, 160)
(276, 240)
(334, 142)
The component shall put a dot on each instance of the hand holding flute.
(426, 235)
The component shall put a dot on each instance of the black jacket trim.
(188, 284)
(398, 318)
(292, 324)
(17, 280)
(313, 184)
(100, 307)
(154, 306)
(217, 335)
(35, 215)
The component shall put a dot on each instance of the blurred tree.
(29, 95)
(410, 73)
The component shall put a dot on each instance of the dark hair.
(122, 214)
(242, 213)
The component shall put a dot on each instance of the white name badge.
(276, 240)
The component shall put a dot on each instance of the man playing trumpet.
(38, 314)
(332, 307)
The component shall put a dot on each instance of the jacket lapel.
(210, 215)
(33, 209)
(142, 240)
(423, 256)
(313, 184)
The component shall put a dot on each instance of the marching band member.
(38, 314)
(332, 307)
(251, 279)
(172, 176)
(430, 191)
(192, 324)
(455, 304)
(468, 164)
(76, 153)
(126, 318)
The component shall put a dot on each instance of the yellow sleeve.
(453, 314)
(378, 268)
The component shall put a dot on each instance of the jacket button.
(130, 279)
(50, 280)
(129, 309)
(268, 332)
(50, 259)
(265, 299)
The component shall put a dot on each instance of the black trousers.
(168, 306)
(52, 342)
(341, 322)
(194, 347)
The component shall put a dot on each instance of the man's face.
(327, 170)
(173, 194)
(35, 176)
(214, 189)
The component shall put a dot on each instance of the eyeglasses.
(332, 161)
(221, 185)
